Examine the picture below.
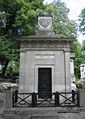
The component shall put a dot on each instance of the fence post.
(15, 97)
(34, 99)
(8, 102)
(78, 99)
(56, 99)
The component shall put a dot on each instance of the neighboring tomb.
(82, 72)
(72, 57)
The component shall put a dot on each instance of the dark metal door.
(44, 82)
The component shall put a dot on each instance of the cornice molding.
(45, 38)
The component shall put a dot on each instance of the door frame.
(36, 76)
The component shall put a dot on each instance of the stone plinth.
(44, 113)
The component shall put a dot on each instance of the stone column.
(22, 72)
(67, 70)
(72, 56)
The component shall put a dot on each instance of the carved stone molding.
(47, 44)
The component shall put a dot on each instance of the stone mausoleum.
(44, 60)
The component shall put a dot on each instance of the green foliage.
(82, 21)
(17, 17)
(8, 48)
(77, 63)
(83, 52)
(16, 67)
(61, 23)
(76, 48)
(79, 85)
(79, 50)
(26, 18)
(8, 9)
(82, 30)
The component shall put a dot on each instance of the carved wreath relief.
(44, 23)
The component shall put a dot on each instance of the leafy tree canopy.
(20, 16)
(79, 50)
(61, 23)
(17, 17)
(76, 48)
(8, 48)
(83, 52)
(82, 21)
(26, 18)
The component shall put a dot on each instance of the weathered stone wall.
(44, 52)
(47, 59)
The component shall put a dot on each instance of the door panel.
(44, 82)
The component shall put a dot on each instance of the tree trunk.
(4, 68)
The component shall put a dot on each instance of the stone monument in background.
(44, 60)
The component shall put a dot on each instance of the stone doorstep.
(45, 117)
(43, 110)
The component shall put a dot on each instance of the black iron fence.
(57, 99)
